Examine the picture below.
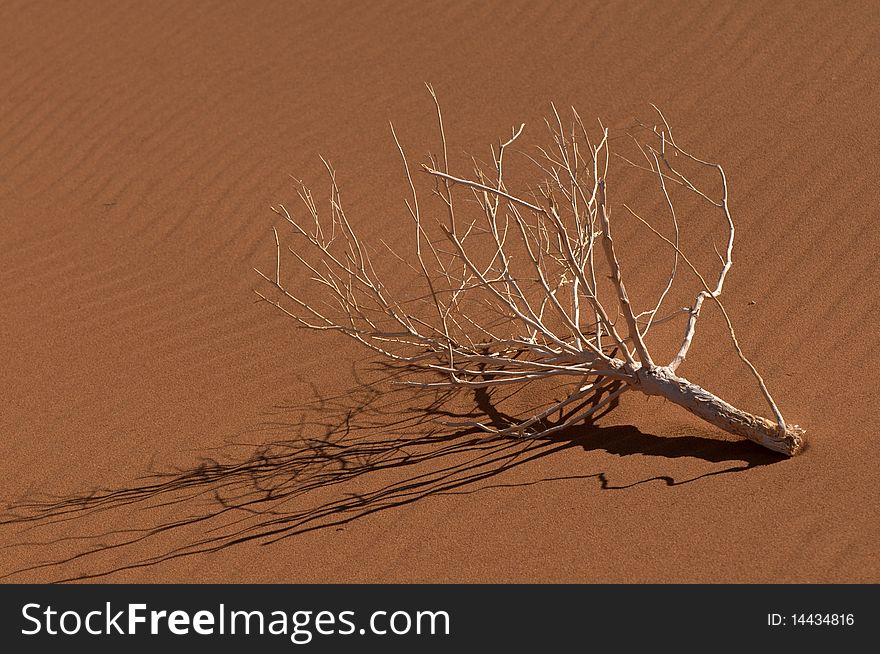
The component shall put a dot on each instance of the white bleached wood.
(510, 293)
(664, 382)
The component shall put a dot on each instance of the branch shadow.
(321, 465)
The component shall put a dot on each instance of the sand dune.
(140, 149)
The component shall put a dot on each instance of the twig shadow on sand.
(320, 465)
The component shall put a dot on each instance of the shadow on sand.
(322, 465)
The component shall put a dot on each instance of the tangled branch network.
(517, 288)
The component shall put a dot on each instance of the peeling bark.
(711, 408)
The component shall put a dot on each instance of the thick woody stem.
(664, 382)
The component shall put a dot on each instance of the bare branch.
(516, 299)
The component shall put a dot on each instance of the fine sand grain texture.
(160, 425)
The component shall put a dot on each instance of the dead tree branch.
(515, 286)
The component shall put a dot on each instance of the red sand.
(141, 146)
